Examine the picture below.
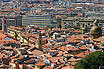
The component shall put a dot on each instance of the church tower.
(39, 41)
(59, 23)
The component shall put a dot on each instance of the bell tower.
(59, 23)
(39, 41)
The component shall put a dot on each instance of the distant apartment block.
(39, 20)
(83, 23)
(12, 21)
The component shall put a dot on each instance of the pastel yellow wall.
(36, 67)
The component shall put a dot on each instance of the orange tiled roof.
(87, 52)
(80, 55)
(83, 47)
(73, 48)
(40, 64)
(47, 55)
(48, 67)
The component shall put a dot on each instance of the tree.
(66, 27)
(0, 27)
(50, 27)
(85, 30)
(75, 27)
(92, 61)
(22, 26)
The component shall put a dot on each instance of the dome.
(95, 31)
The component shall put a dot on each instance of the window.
(40, 41)
(10, 21)
(88, 23)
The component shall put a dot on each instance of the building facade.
(39, 20)
(82, 23)
(12, 20)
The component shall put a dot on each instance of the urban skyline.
(51, 34)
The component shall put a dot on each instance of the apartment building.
(39, 20)
(82, 23)
(12, 20)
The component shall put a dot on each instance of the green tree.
(50, 27)
(92, 61)
(22, 26)
(75, 27)
(85, 30)
(68, 27)
(0, 27)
